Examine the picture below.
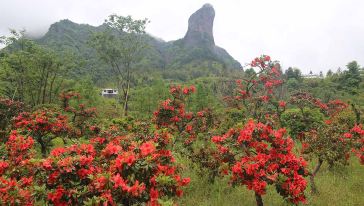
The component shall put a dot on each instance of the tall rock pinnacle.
(200, 26)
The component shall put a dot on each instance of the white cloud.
(312, 34)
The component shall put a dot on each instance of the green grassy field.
(341, 186)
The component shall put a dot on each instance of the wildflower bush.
(8, 109)
(257, 155)
(123, 170)
(189, 129)
(43, 125)
(108, 170)
(81, 117)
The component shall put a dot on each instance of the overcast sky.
(309, 34)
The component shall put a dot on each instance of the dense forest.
(189, 124)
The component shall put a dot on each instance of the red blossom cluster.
(257, 156)
(17, 171)
(66, 97)
(42, 121)
(331, 141)
(335, 106)
(262, 84)
(8, 109)
(43, 125)
(304, 99)
(16, 192)
(120, 170)
(172, 114)
(18, 147)
(259, 92)
(110, 170)
(357, 135)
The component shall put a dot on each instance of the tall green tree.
(293, 73)
(121, 46)
(29, 72)
(350, 79)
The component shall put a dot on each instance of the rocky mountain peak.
(200, 27)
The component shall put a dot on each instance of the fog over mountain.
(311, 35)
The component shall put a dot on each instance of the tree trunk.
(259, 199)
(312, 177)
(51, 88)
(45, 88)
(126, 99)
(43, 149)
(40, 85)
(356, 112)
(126, 96)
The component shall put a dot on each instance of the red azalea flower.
(147, 148)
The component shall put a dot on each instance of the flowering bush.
(188, 128)
(305, 100)
(121, 169)
(109, 170)
(172, 115)
(257, 155)
(329, 142)
(261, 93)
(8, 110)
(17, 171)
(80, 114)
(43, 125)
(357, 136)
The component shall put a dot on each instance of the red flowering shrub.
(305, 100)
(80, 114)
(18, 148)
(308, 106)
(172, 114)
(260, 93)
(17, 171)
(110, 171)
(66, 97)
(188, 128)
(8, 110)
(357, 136)
(329, 142)
(257, 156)
(16, 192)
(43, 125)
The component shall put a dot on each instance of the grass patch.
(342, 186)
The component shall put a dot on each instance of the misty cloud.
(311, 35)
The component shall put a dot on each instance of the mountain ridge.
(195, 49)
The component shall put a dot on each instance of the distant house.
(311, 75)
(109, 93)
